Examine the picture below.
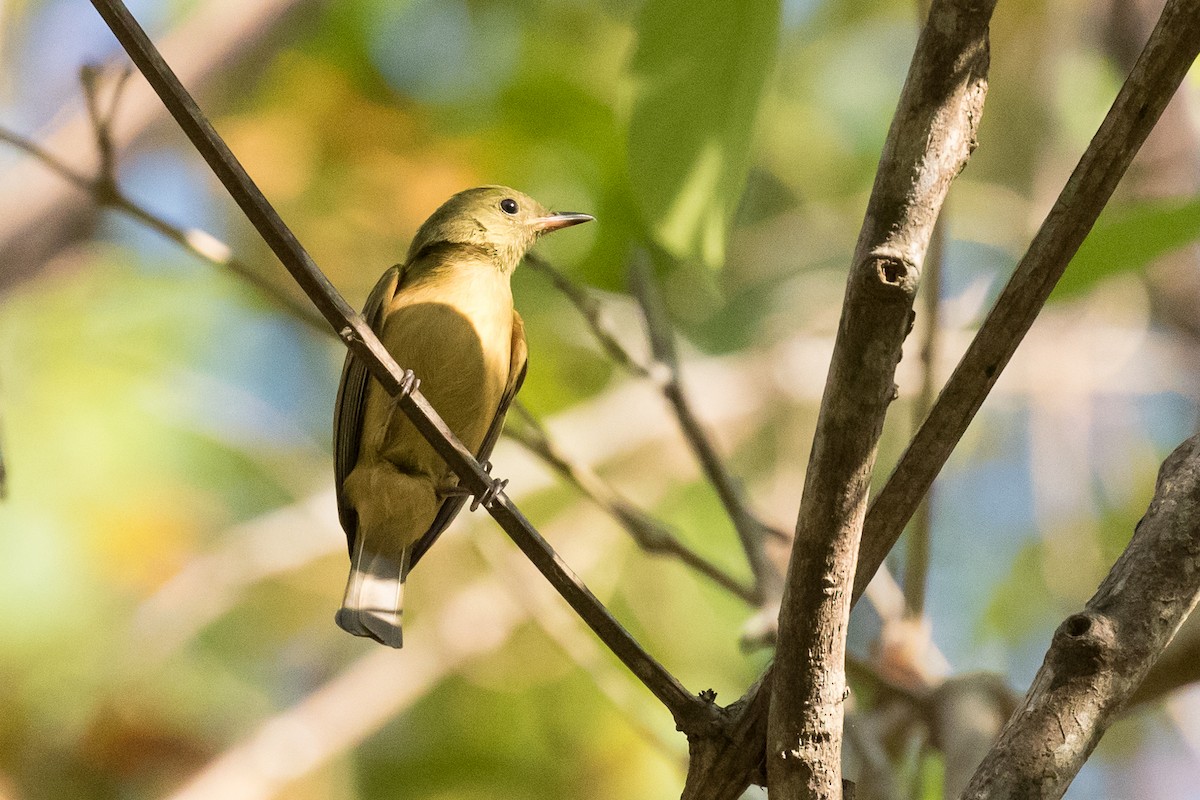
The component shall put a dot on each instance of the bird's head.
(501, 221)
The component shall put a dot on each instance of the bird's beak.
(555, 221)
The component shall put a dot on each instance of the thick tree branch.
(689, 711)
(1165, 60)
(1100, 655)
(930, 140)
(1157, 75)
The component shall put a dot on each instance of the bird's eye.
(508, 205)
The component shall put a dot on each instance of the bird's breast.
(455, 332)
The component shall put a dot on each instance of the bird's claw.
(489, 494)
(408, 384)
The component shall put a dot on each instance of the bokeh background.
(169, 555)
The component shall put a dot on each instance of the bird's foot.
(485, 499)
(409, 382)
(489, 494)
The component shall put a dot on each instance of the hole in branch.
(892, 270)
(1078, 625)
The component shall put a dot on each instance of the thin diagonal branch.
(1172, 48)
(690, 712)
(652, 535)
(592, 312)
(931, 138)
(1099, 656)
(666, 372)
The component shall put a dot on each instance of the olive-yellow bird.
(447, 314)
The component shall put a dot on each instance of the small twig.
(592, 312)
(102, 119)
(930, 139)
(652, 535)
(194, 240)
(920, 533)
(666, 372)
(1161, 68)
(1099, 656)
(690, 712)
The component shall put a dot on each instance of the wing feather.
(352, 402)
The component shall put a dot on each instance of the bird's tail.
(374, 601)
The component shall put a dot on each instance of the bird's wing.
(518, 362)
(352, 402)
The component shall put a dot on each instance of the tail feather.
(374, 602)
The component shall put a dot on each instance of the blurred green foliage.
(698, 75)
(1127, 239)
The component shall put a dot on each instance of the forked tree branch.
(931, 137)
(106, 193)
(1159, 71)
(690, 712)
(1100, 655)
(1172, 48)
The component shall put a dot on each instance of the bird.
(446, 316)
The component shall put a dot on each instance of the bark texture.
(931, 138)
(1100, 655)
(1155, 78)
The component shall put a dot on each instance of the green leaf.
(698, 75)
(1127, 239)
